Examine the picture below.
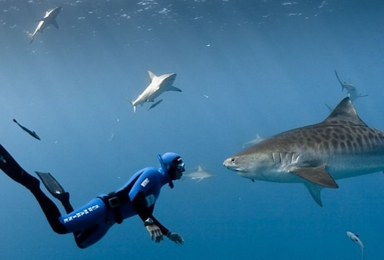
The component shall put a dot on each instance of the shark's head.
(168, 79)
(53, 13)
(57, 9)
(253, 166)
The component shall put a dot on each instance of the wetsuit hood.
(169, 164)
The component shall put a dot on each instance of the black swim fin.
(52, 185)
(57, 191)
(11, 168)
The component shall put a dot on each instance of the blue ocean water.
(246, 67)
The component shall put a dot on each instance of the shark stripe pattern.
(341, 146)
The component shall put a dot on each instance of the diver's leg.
(88, 223)
(67, 204)
(11, 168)
(91, 235)
(50, 210)
(15, 172)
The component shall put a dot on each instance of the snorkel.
(165, 170)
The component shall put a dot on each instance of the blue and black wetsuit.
(92, 221)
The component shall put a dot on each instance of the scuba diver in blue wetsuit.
(92, 221)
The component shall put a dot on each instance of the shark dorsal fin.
(199, 169)
(151, 74)
(345, 111)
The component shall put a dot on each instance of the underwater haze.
(245, 68)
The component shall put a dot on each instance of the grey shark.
(49, 19)
(341, 146)
(198, 175)
(257, 140)
(351, 90)
(158, 85)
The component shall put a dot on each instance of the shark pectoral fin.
(317, 175)
(174, 89)
(315, 191)
(54, 23)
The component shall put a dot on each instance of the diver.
(92, 221)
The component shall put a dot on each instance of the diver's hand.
(175, 238)
(155, 233)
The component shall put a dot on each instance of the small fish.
(355, 238)
(32, 133)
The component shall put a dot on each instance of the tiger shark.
(342, 146)
(49, 18)
(158, 85)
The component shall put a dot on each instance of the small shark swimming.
(49, 18)
(355, 238)
(257, 140)
(198, 175)
(342, 146)
(351, 90)
(158, 85)
(32, 133)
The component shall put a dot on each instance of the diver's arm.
(139, 204)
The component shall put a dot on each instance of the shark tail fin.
(134, 107)
(31, 37)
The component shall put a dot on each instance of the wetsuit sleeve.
(139, 204)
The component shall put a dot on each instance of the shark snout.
(230, 164)
(170, 78)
